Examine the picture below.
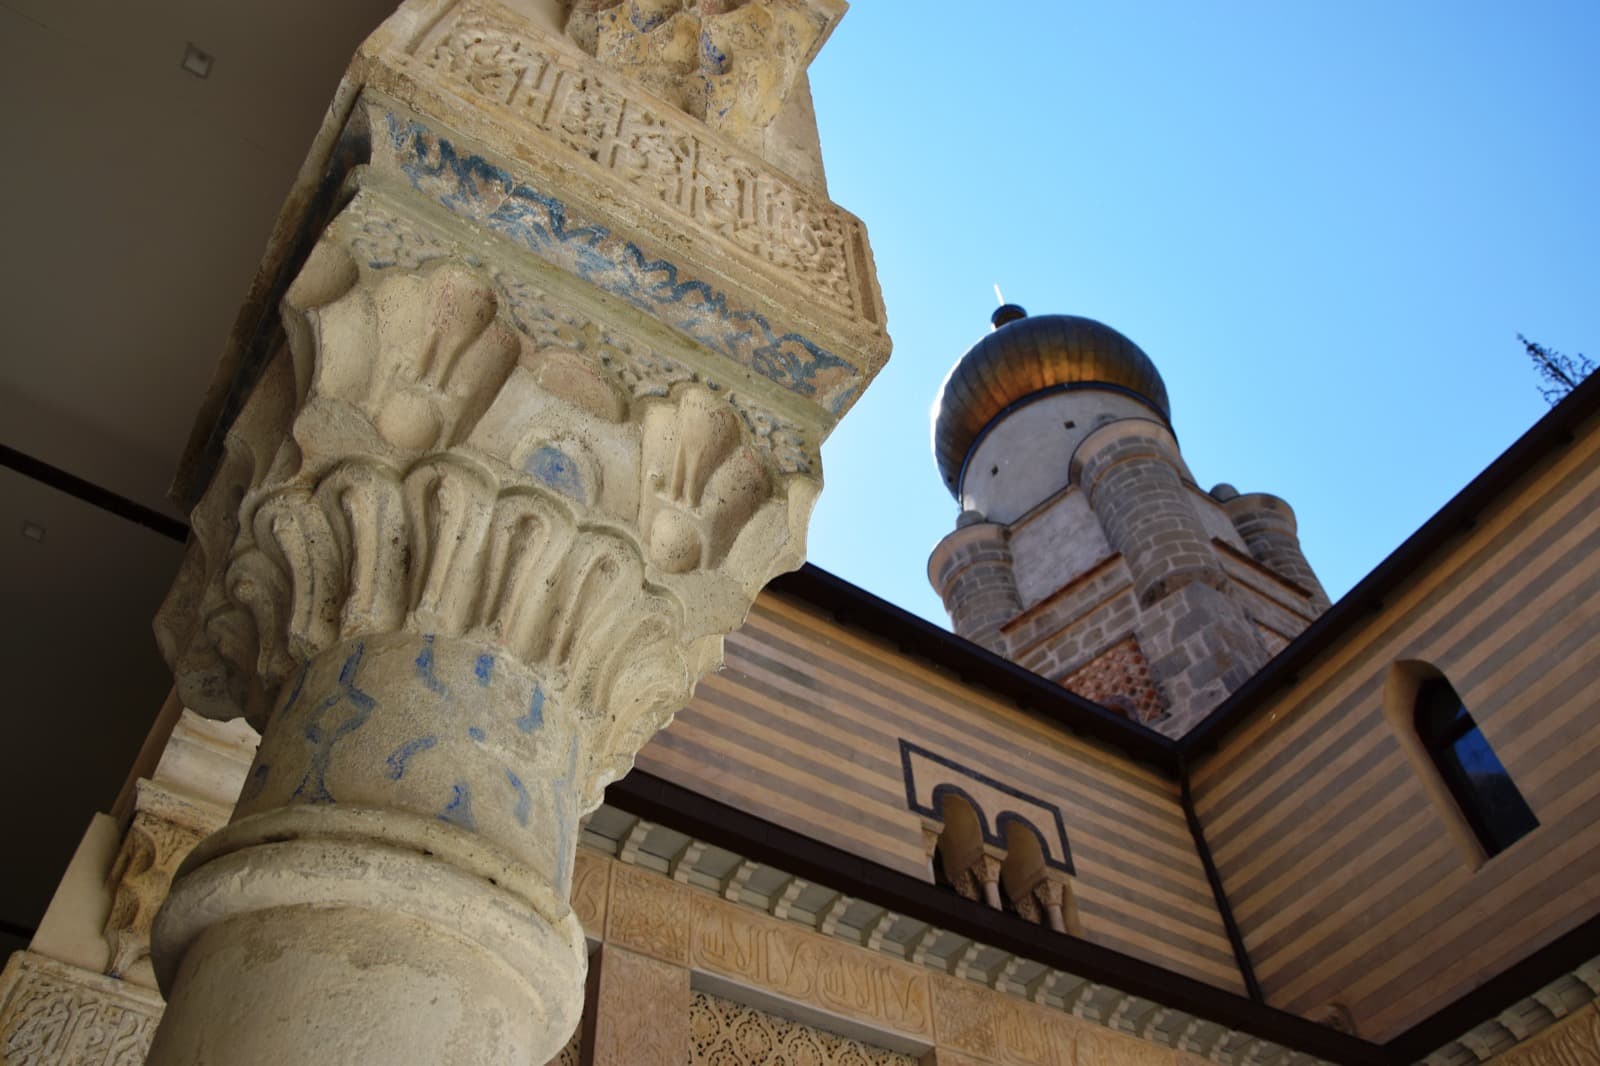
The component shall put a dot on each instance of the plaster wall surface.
(1024, 457)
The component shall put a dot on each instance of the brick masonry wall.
(1119, 678)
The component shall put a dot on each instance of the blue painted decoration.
(472, 186)
(534, 719)
(313, 787)
(424, 664)
(523, 800)
(459, 810)
(556, 469)
(483, 669)
(475, 733)
(398, 760)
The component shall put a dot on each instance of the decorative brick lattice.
(725, 1033)
(1119, 678)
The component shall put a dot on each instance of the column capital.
(445, 449)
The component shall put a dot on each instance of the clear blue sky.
(1326, 223)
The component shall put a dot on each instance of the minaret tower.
(1084, 550)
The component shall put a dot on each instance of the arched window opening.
(960, 846)
(1482, 789)
(1023, 869)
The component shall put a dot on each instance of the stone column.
(538, 421)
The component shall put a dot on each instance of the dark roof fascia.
(1554, 431)
(753, 838)
(976, 665)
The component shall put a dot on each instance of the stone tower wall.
(1129, 469)
(1268, 527)
(972, 571)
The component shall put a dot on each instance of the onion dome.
(1025, 356)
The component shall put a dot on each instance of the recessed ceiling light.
(196, 61)
(32, 530)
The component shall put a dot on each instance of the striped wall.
(803, 728)
(1336, 858)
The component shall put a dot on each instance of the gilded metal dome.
(1026, 355)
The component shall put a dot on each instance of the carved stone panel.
(1026, 1035)
(1102, 1047)
(642, 1013)
(802, 966)
(648, 914)
(964, 1016)
(484, 56)
(52, 1014)
(725, 1033)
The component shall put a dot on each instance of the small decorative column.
(539, 419)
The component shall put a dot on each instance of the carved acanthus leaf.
(418, 463)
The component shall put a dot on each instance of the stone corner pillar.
(538, 417)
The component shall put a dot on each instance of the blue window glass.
(1482, 788)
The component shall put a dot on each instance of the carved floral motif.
(649, 914)
(483, 54)
(422, 464)
(725, 1033)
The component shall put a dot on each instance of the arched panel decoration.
(1478, 782)
(930, 777)
(1473, 793)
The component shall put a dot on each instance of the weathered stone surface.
(722, 1031)
(539, 419)
(641, 1011)
(52, 1014)
(799, 965)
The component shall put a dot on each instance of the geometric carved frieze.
(607, 130)
(649, 914)
(930, 776)
(808, 968)
(52, 1014)
(536, 220)
(722, 1032)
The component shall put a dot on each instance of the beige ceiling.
(137, 201)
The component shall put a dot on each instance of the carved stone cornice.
(518, 133)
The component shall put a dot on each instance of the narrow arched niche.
(960, 845)
(1470, 789)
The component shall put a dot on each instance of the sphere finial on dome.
(1007, 313)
